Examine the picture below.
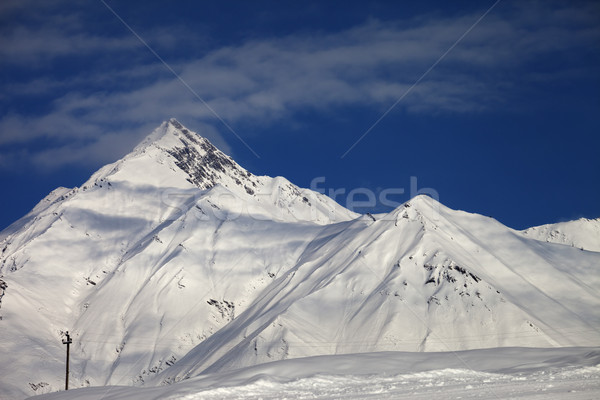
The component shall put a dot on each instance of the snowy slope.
(507, 373)
(583, 233)
(422, 278)
(175, 261)
(114, 260)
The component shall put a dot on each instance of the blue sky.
(493, 105)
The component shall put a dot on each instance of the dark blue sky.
(505, 123)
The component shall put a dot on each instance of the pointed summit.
(204, 164)
(186, 154)
(174, 159)
(170, 134)
(194, 159)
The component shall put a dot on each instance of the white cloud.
(265, 80)
(35, 46)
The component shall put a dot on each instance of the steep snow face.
(175, 261)
(583, 233)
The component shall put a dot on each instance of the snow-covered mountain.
(175, 261)
(583, 233)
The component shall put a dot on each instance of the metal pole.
(67, 342)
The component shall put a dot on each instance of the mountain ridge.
(445, 275)
(162, 266)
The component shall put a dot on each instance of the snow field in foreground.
(581, 383)
(501, 373)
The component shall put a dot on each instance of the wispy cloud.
(266, 80)
(35, 46)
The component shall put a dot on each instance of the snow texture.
(566, 373)
(175, 262)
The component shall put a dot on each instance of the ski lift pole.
(68, 341)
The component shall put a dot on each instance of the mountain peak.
(176, 158)
(204, 164)
(582, 233)
(174, 122)
(419, 207)
(168, 134)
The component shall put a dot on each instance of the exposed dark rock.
(3, 287)
(205, 164)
